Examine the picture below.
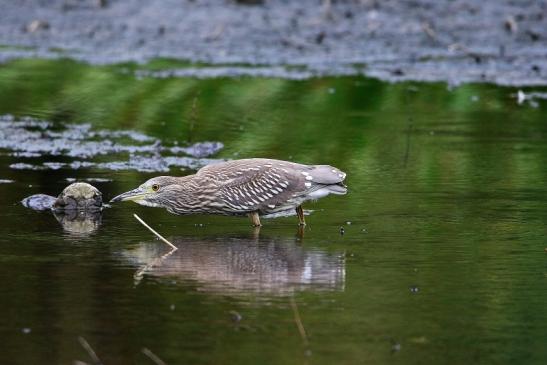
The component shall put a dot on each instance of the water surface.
(441, 260)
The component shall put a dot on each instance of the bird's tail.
(331, 178)
(327, 175)
(337, 189)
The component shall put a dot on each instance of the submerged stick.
(90, 351)
(156, 262)
(152, 356)
(156, 233)
(298, 322)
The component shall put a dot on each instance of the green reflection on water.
(444, 255)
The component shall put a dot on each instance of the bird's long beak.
(135, 195)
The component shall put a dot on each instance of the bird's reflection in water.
(77, 222)
(241, 265)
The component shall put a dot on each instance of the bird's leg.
(255, 219)
(300, 233)
(256, 233)
(300, 213)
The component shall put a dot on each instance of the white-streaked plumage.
(249, 186)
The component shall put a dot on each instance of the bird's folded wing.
(260, 189)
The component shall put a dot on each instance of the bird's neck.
(191, 195)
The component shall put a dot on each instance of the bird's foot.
(255, 219)
(300, 214)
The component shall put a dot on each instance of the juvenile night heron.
(250, 187)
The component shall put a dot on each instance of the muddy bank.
(497, 41)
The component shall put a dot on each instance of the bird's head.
(157, 192)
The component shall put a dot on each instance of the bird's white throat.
(147, 203)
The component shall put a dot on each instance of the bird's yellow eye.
(155, 187)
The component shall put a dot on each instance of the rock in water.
(79, 196)
(39, 202)
(77, 208)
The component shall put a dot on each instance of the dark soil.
(497, 41)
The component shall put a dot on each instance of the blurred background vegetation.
(445, 223)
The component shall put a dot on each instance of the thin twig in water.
(156, 262)
(156, 233)
(298, 322)
(193, 116)
(409, 126)
(428, 29)
(90, 351)
(153, 356)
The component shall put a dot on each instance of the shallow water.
(441, 260)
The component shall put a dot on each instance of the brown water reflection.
(239, 265)
(79, 223)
